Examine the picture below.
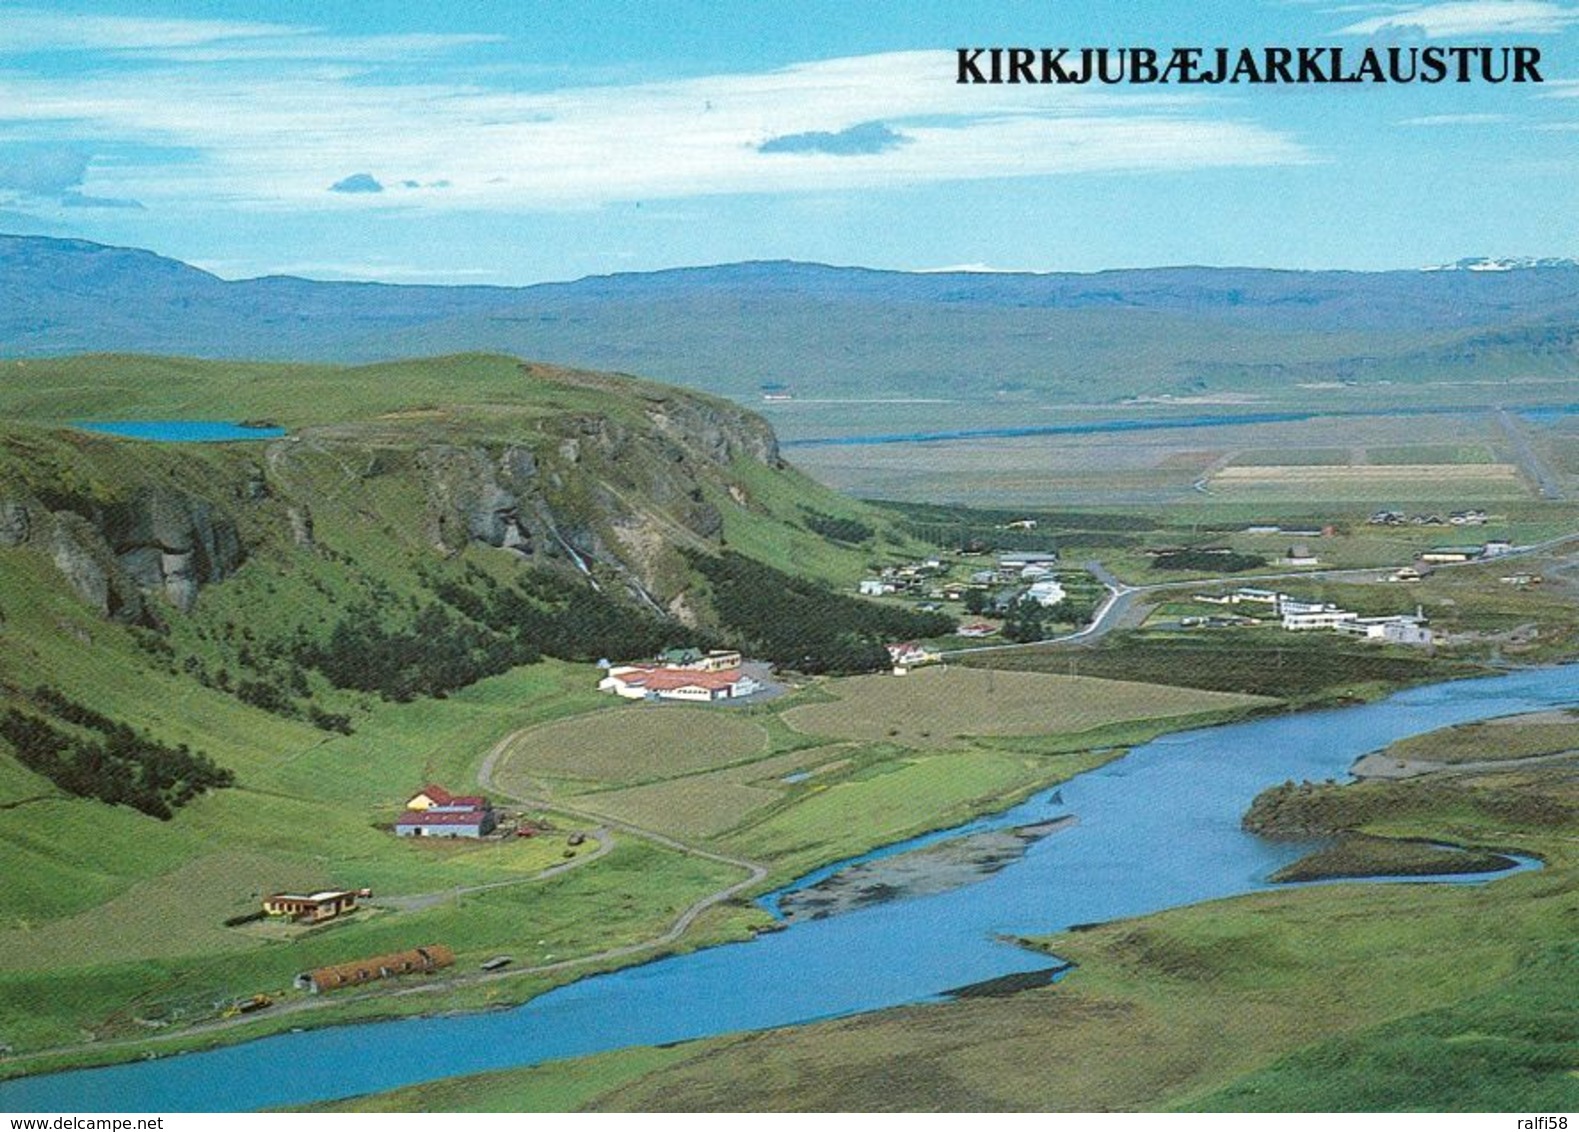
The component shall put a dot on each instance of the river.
(1156, 829)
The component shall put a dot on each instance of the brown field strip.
(1326, 473)
(935, 707)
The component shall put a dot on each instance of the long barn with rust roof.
(416, 961)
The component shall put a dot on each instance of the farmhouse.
(645, 681)
(314, 909)
(977, 629)
(417, 960)
(446, 823)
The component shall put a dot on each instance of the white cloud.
(275, 138)
(1454, 120)
(37, 30)
(1469, 17)
(209, 41)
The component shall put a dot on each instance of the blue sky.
(516, 142)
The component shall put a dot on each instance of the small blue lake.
(199, 432)
(1156, 829)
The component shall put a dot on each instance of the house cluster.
(434, 812)
(683, 674)
(909, 578)
(315, 908)
(1471, 518)
(1298, 616)
(1019, 574)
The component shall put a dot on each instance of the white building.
(1399, 630)
(1046, 592)
(1301, 615)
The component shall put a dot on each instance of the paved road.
(1547, 482)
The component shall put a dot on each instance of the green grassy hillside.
(427, 563)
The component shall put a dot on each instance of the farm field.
(936, 707)
(631, 743)
(847, 764)
(1419, 482)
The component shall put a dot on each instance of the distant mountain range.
(821, 330)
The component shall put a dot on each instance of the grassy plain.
(936, 707)
(639, 742)
(1514, 737)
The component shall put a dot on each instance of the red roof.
(668, 679)
(449, 817)
(438, 794)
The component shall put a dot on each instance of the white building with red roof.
(434, 812)
(650, 681)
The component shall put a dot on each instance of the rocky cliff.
(611, 497)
